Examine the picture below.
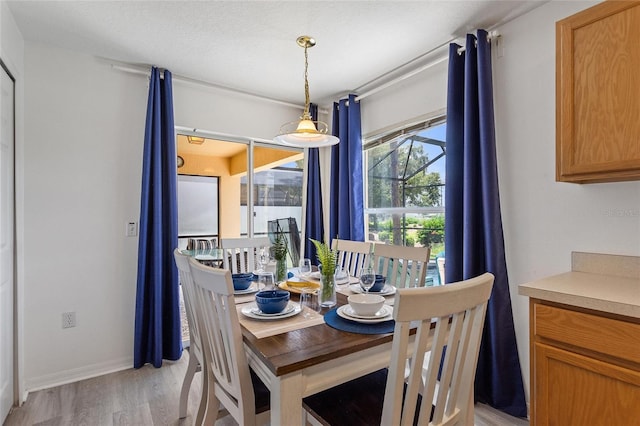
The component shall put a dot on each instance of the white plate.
(252, 289)
(341, 313)
(387, 290)
(251, 310)
(315, 277)
(384, 312)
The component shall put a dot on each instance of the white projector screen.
(197, 206)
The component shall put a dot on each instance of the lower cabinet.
(585, 367)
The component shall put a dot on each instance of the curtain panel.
(473, 226)
(346, 214)
(157, 316)
(313, 209)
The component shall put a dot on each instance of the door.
(6, 244)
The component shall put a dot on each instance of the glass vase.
(327, 290)
(281, 270)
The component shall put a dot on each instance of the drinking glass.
(263, 259)
(309, 299)
(367, 278)
(305, 267)
(266, 281)
(342, 276)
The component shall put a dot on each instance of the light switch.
(132, 229)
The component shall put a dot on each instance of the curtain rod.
(188, 80)
(492, 35)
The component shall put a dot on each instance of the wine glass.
(305, 267)
(266, 281)
(367, 278)
(263, 259)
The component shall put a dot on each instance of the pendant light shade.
(306, 133)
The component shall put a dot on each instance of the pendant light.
(306, 133)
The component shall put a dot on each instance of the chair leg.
(212, 404)
(186, 384)
(204, 397)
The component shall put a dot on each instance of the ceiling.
(251, 45)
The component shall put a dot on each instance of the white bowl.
(366, 304)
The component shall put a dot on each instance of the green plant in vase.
(328, 259)
(280, 250)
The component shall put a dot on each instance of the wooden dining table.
(305, 361)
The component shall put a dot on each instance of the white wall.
(543, 220)
(84, 130)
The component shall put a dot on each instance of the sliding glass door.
(244, 185)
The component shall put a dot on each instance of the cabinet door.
(598, 94)
(571, 389)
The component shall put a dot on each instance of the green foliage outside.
(425, 232)
(432, 231)
(396, 178)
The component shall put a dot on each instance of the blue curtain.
(347, 200)
(157, 327)
(473, 225)
(313, 211)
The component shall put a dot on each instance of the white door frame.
(11, 352)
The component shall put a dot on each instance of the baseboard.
(76, 374)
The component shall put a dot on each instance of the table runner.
(266, 328)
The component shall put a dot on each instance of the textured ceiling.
(250, 45)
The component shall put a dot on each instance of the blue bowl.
(379, 284)
(242, 281)
(272, 301)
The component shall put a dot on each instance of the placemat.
(260, 329)
(334, 320)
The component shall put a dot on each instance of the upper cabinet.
(598, 94)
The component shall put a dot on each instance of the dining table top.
(301, 348)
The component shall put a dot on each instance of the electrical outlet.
(68, 319)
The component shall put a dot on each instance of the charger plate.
(294, 285)
(332, 319)
(387, 290)
(251, 310)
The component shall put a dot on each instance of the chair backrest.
(202, 243)
(222, 341)
(403, 266)
(239, 254)
(352, 255)
(458, 310)
(195, 342)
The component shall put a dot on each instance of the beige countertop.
(603, 282)
(607, 293)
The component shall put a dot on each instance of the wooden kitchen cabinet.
(585, 366)
(598, 94)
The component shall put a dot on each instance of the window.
(404, 181)
(277, 194)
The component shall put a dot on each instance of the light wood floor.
(147, 396)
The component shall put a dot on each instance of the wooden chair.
(204, 245)
(239, 254)
(352, 255)
(458, 311)
(195, 348)
(403, 266)
(230, 381)
(441, 262)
